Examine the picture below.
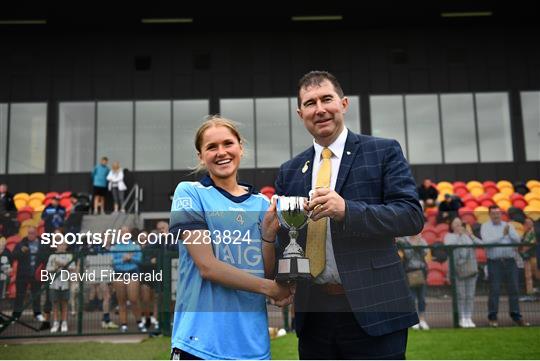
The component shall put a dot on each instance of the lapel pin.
(305, 168)
(348, 153)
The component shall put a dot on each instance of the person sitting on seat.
(427, 194)
(448, 209)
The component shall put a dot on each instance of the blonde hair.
(214, 121)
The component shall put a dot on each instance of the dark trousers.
(503, 270)
(35, 292)
(336, 334)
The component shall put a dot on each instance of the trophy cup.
(291, 214)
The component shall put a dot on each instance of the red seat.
(481, 255)
(66, 194)
(461, 192)
(436, 278)
(441, 227)
(51, 195)
(268, 191)
(429, 235)
(25, 213)
(485, 200)
(518, 201)
(12, 241)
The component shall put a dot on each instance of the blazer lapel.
(349, 153)
(307, 170)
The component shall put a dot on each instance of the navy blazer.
(381, 204)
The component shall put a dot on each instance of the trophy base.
(293, 269)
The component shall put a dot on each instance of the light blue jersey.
(212, 321)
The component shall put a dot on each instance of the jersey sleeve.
(187, 212)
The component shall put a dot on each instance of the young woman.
(117, 186)
(220, 308)
(466, 269)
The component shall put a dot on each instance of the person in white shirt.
(59, 289)
(117, 186)
(501, 265)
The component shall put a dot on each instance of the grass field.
(503, 343)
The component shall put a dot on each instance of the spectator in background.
(149, 289)
(501, 265)
(99, 181)
(32, 257)
(5, 267)
(54, 215)
(7, 209)
(117, 186)
(59, 289)
(126, 259)
(448, 209)
(466, 269)
(415, 266)
(427, 193)
(528, 253)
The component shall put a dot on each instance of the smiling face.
(220, 152)
(323, 111)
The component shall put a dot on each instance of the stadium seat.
(485, 200)
(20, 200)
(518, 201)
(444, 185)
(477, 192)
(532, 211)
(490, 188)
(498, 196)
(24, 213)
(12, 241)
(470, 201)
(531, 197)
(481, 255)
(481, 214)
(429, 234)
(518, 227)
(532, 184)
(435, 278)
(38, 195)
(66, 194)
(440, 228)
(268, 191)
(474, 184)
(504, 204)
(467, 215)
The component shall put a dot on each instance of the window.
(458, 128)
(76, 135)
(530, 104)
(3, 136)
(423, 129)
(187, 118)
(241, 111)
(153, 135)
(494, 132)
(115, 132)
(387, 118)
(273, 133)
(27, 138)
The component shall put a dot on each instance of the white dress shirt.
(330, 273)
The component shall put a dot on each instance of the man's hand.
(326, 203)
(24, 249)
(281, 294)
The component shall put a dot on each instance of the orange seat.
(532, 211)
(481, 214)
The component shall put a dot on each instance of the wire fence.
(100, 305)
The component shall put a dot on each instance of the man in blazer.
(359, 306)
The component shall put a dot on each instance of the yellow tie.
(316, 233)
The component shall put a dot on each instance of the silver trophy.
(291, 214)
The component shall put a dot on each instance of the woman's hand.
(270, 223)
(280, 294)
